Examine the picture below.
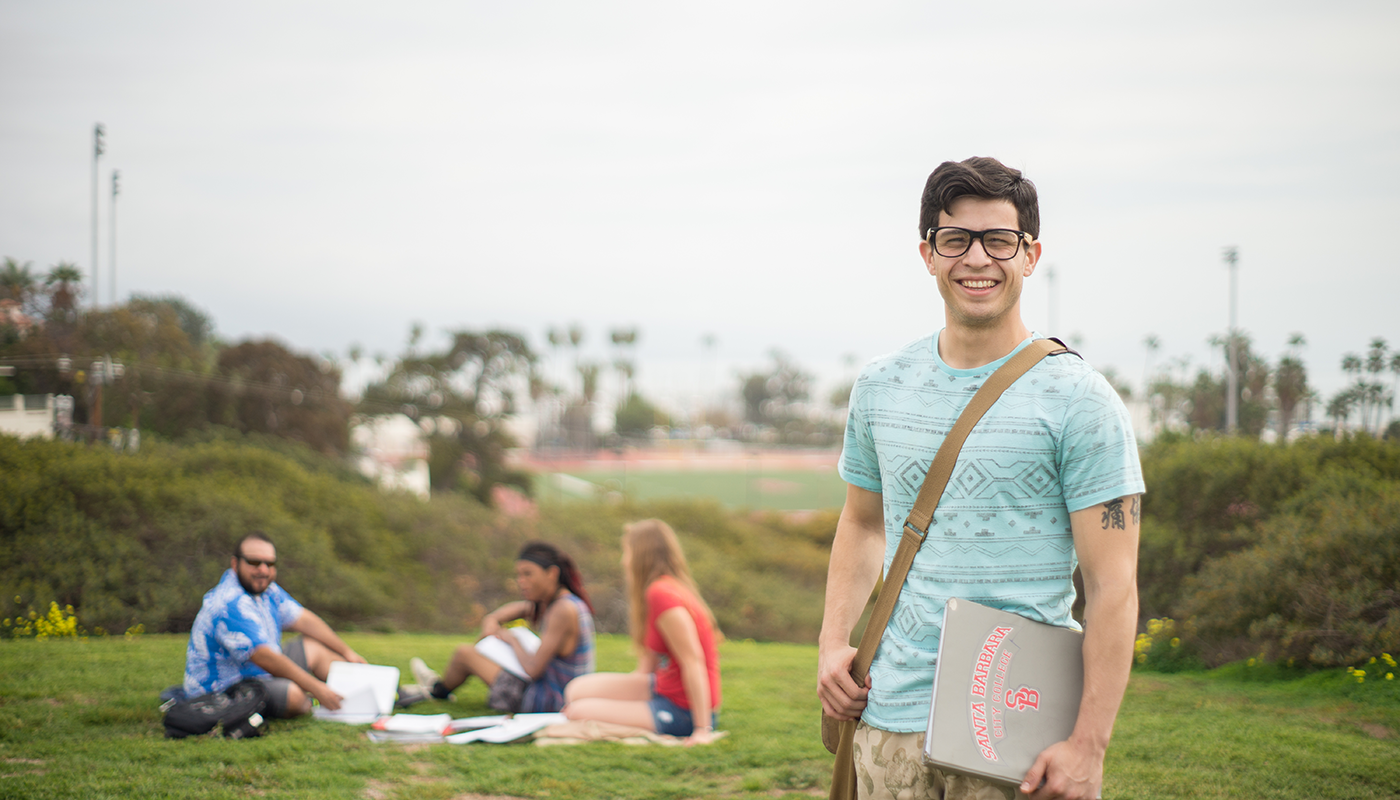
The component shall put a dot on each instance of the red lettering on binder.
(985, 658)
(1025, 699)
(979, 731)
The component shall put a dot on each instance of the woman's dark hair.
(546, 555)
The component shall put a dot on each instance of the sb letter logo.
(1025, 699)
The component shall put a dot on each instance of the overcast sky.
(330, 173)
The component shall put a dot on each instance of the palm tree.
(1395, 382)
(17, 282)
(63, 297)
(576, 340)
(1152, 344)
(624, 362)
(1375, 365)
(1353, 365)
(1339, 409)
(1291, 387)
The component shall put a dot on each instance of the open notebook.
(1005, 689)
(367, 692)
(502, 653)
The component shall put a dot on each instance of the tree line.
(1277, 397)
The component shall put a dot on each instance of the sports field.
(767, 480)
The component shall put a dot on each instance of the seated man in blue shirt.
(238, 634)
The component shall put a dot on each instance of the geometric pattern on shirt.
(1001, 534)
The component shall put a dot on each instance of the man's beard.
(246, 587)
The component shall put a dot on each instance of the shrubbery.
(1289, 552)
(129, 539)
(1249, 550)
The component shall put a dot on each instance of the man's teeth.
(979, 284)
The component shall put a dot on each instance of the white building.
(27, 415)
(393, 452)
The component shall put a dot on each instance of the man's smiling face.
(255, 578)
(978, 290)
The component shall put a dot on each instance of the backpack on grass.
(238, 709)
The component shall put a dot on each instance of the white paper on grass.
(367, 690)
(357, 707)
(504, 655)
(472, 723)
(414, 723)
(517, 727)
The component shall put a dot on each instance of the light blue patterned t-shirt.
(1058, 440)
(230, 626)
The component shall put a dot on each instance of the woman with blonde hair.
(675, 689)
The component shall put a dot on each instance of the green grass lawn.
(775, 490)
(78, 719)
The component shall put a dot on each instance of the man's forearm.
(279, 666)
(1110, 625)
(312, 626)
(849, 579)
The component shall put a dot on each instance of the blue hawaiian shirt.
(230, 626)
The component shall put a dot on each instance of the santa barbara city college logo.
(991, 698)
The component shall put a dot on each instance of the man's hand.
(841, 697)
(353, 657)
(1065, 771)
(326, 696)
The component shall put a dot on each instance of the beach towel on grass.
(590, 730)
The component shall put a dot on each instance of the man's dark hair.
(979, 177)
(258, 535)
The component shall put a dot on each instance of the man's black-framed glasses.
(255, 562)
(1000, 243)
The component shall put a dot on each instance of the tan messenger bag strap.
(921, 516)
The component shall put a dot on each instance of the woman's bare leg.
(610, 686)
(467, 661)
(617, 697)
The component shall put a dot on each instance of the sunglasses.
(253, 562)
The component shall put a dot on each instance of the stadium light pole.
(112, 225)
(1232, 400)
(97, 149)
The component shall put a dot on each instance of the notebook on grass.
(367, 692)
(1005, 688)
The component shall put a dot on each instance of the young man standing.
(238, 634)
(1048, 479)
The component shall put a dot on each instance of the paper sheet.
(472, 723)
(519, 726)
(504, 655)
(357, 708)
(414, 723)
(368, 691)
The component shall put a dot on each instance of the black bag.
(238, 709)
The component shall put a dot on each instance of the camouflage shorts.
(890, 766)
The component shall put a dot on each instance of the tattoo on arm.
(1137, 510)
(1113, 515)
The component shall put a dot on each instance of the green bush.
(1206, 499)
(1321, 586)
(128, 539)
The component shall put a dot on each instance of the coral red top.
(664, 594)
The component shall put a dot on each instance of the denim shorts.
(670, 718)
